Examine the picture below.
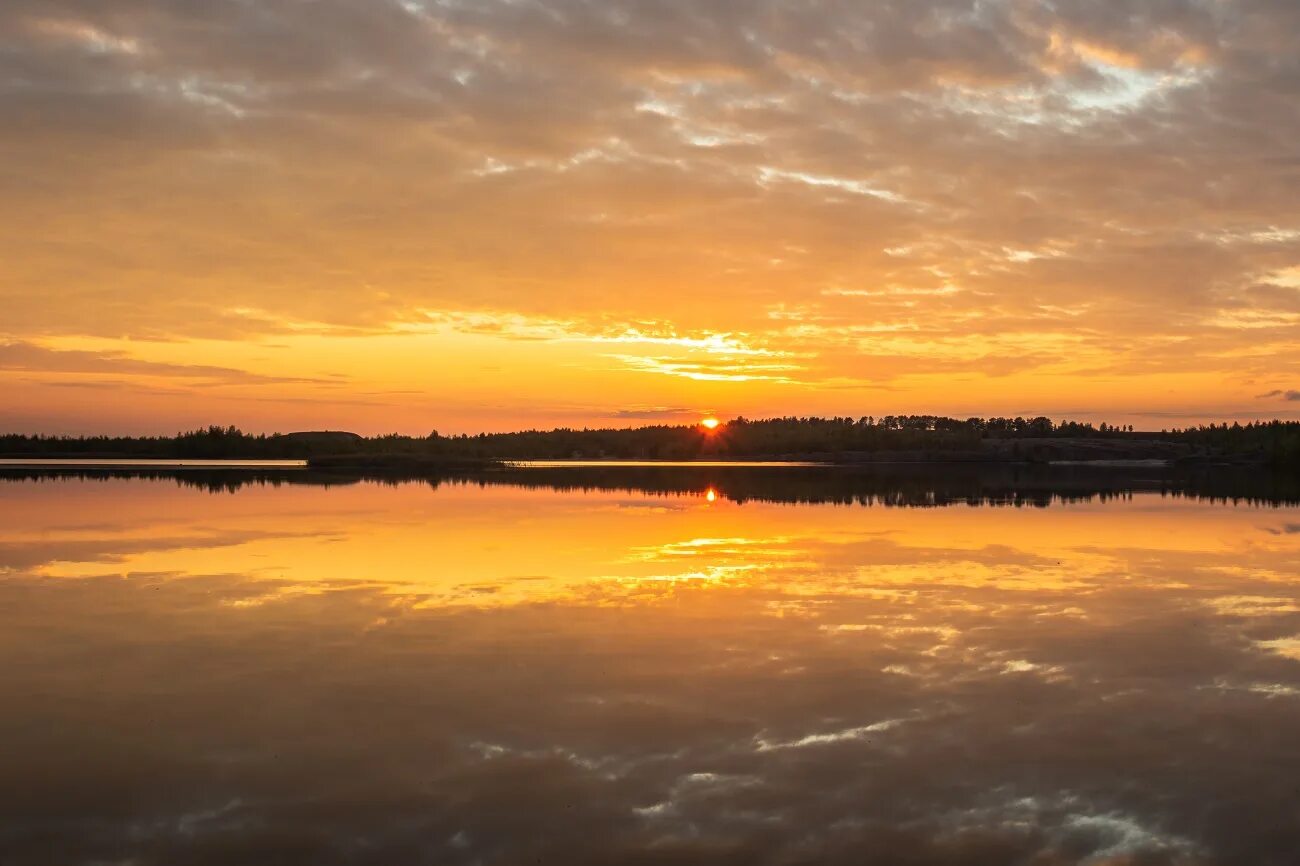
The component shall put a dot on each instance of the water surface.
(141, 463)
(667, 669)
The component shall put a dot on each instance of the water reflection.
(471, 673)
(910, 485)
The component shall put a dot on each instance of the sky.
(471, 215)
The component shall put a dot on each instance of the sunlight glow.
(764, 226)
(710, 423)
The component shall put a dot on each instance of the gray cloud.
(30, 357)
(651, 413)
(1111, 183)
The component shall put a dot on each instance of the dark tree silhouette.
(843, 439)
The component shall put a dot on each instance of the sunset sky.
(493, 214)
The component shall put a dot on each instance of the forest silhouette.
(898, 438)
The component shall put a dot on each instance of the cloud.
(1100, 176)
(34, 358)
(1291, 395)
(656, 412)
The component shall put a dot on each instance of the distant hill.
(322, 438)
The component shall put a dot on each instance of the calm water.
(147, 463)
(643, 671)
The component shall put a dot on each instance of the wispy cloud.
(656, 413)
(30, 357)
(1007, 191)
(709, 372)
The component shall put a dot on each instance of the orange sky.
(459, 215)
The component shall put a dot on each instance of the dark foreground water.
(652, 668)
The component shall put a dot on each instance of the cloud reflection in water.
(498, 675)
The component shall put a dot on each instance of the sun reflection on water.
(632, 671)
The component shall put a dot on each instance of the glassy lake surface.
(668, 667)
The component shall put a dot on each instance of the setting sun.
(710, 423)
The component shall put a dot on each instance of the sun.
(710, 423)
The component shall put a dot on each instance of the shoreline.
(416, 463)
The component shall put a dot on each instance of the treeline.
(773, 437)
(1276, 442)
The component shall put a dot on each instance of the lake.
(648, 665)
